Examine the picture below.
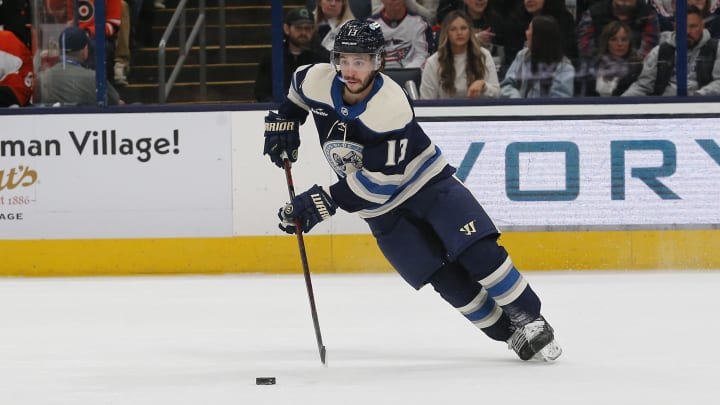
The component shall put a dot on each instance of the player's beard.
(364, 85)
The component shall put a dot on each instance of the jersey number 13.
(394, 156)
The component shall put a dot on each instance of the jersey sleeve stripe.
(389, 195)
(378, 187)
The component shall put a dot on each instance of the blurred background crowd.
(436, 49)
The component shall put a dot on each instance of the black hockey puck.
(265, 381)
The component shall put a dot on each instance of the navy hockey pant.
(443, 236)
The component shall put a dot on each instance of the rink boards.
(571, 187)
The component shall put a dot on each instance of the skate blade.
(550, 352)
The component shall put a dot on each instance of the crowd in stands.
(67, 58)
(463, 48)
(533, 48)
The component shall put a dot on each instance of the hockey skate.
(535, 340)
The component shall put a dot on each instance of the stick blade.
(323, 355)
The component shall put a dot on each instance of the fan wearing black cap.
(299, 29)
(70, 82)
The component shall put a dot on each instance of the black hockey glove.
(281, 135)
(310, 207)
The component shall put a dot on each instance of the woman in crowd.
(524, 13)
(618, 64)
(330, 15)
(461, 68)
(541, 69)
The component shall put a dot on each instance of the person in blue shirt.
(541, 69)
(426, 222)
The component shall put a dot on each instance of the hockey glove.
(310, 207)
(281, 135)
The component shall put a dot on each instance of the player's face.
(695, 27)
(619, 44)
(534, 6)
(356, 70)
(458, 33)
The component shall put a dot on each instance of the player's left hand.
(310, 208)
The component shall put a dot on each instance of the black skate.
(535, 340)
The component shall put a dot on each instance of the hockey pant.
(443, 236)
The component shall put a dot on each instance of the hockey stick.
(303, 258)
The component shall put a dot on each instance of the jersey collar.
(349, 112)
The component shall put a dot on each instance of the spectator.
(86, 21)
(618, 64)
(488, 25)
(658, 75)
(665, 10)
(122, 47)
(541, 69)
(711, 18)
(461, 68)
(16, 71)
(16, 17)
(500, 7)
(361, 9)
(299, 28)
(641, 18)
(69, 82)
(520, 20)
(425, 8)
(406, 35)
(330, 15)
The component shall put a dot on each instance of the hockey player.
(426, 223)
(16, 71)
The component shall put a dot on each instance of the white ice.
(629, 338)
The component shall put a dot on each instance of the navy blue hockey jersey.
(379, 152)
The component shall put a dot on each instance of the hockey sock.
(467, 296)
(503, 282)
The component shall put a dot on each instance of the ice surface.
(628, 337)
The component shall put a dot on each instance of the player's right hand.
(281, 135)
(307, 209)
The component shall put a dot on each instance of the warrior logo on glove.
(280, 126)
(309, 208)
(282, 136)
